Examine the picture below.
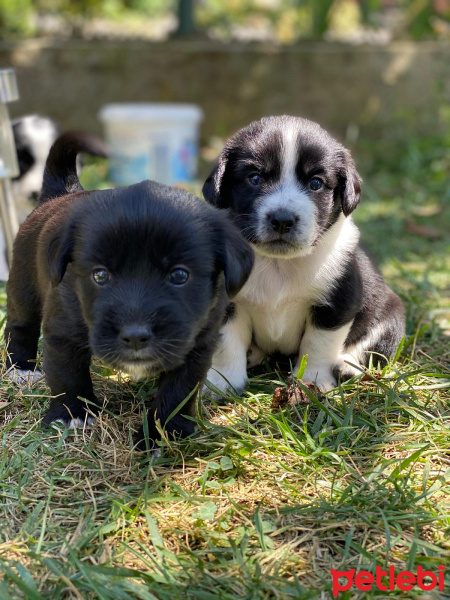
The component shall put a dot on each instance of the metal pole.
(8, 160)
(8, 216)
(186, 24)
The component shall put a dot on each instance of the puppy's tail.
(60, 175)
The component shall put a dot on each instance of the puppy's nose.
(135, 336)
(282, 221)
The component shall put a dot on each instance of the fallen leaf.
(291, 395)
(427, 232)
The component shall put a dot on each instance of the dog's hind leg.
(380, 338)
(324, 350)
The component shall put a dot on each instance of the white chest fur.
(279, 293)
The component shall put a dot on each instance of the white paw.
(77, 423)
(319, 376)
(24, 376)
(255, 356)
(233, 380)
(347, 365)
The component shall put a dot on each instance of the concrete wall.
(402, 87)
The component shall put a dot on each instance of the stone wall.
(402, 87)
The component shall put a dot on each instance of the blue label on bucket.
(183, 164)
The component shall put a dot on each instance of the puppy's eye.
(315, 184)
(101, 276)
(255, 179)
(178, 276)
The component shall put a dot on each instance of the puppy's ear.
(209, 190)
(349, 184)
(213, 188)
(236, 258)
(59, 253)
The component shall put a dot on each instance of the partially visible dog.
(139, 277)
(34, 135)
(291, 189)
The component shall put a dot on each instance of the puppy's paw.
(320, 376)
(76, 423)
(75, 416)
(233, 381)
(24, 376)
(255, 356)
(343, 371)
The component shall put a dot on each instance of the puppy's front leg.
(229, 365)
(324, 348)
(66, 367)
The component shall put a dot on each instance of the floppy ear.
(236, 258)
(213, 191)
(59, 253)
(350, 184)
(209, 191)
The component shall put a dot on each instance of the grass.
(258, 504)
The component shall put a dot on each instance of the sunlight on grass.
(259, 503)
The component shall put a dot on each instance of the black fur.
(344, 300)
(229, 313)
(139, 235)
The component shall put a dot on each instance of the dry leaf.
(428, 232)
(291, 395)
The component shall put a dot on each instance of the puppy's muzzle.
(282, 221)
(135, 336)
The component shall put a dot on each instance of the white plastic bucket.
(152, 141)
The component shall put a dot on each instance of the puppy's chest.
(278, 301)
(279, 329)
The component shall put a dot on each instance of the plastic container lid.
(146, 111)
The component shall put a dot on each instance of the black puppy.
(138, 277)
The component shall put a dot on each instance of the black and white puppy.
(291, 189)
(138, 276)
(34, 135)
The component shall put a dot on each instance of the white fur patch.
(77, 423)
(138, 371)
(255, 356)
(39, 133)
(289, 195)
